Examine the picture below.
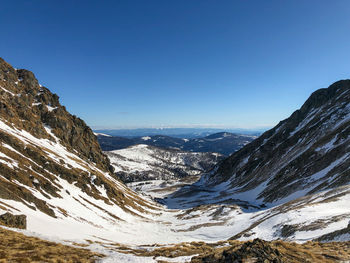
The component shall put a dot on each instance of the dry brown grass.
(175, 250)
(314, 251)
(16, 247)
(287, 252)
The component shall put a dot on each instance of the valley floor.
(177, 235)
(16, 247)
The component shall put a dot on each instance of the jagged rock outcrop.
(276, 252)
(258, 251)
(28, 105)
(10, 220)
(338, 235)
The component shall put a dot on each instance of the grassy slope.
(16, 247)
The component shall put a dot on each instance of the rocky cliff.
(43, 147)
(27, 105)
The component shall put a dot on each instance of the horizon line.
(95, 128)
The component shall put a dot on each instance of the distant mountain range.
(185, 133)
(223, 142)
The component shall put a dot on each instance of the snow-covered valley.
(292, 183)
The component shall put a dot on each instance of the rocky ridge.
(42, 147)
(27, 105)
(293, 181)
(304, 154)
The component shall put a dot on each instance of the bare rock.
(17, 221)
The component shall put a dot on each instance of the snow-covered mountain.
(306, 156)
(52, 168)
(222, 142)
(144, 162)
(306, 153)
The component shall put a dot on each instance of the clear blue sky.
(179, 63)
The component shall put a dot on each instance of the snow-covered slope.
(307, 154)
(143, 162)
(304, 154)
(53, 170)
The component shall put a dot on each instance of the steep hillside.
(304, 154)
(293, 181)
(51, 166)
(143, 162)
(26, 105)
(224, 142)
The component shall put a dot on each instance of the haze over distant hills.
(223, 142)
(186, 133)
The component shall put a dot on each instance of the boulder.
(17, 221)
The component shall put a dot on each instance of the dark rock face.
(17, 221)
(257, 249)
(28, 105)
(252, 251)
(335, 235)
(40, 141)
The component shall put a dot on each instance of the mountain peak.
(43, 147)
(28, 105)
(322, 96)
